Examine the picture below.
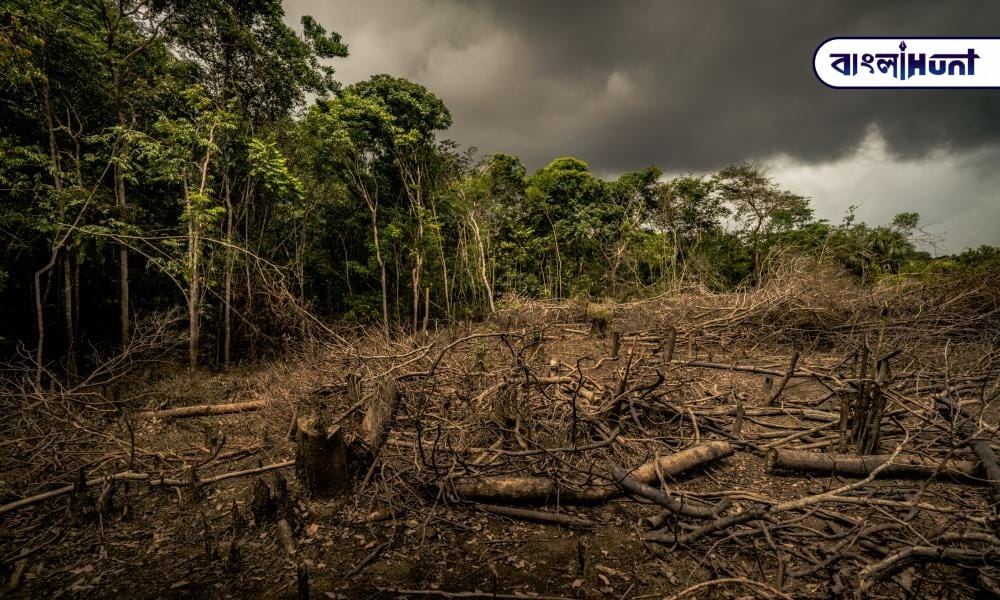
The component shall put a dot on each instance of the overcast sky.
(693, 86)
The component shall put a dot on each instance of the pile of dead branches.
(884, 399)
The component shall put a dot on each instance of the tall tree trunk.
(559, 278)
(482, 262)
(67, 274)
(56, 247)
(555, 240)
(418, 263)
(76, 294)
(228, 291)
(382, 275)
(415, 280)
(194, 280)
(677, 254)
(444, 263)
(120, 199)
(755, 247)
(371, 202)
(615, 264)
(195, 215)
(123, 289)
(40, 316)
(427, 310)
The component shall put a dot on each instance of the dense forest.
(198, 162)
(219, 264)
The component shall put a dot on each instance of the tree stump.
(320, 458)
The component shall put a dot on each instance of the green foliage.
(983, 257)
(761, 208)
(270, 167)
(176, 130)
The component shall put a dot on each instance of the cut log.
(203, 410)
(528, 490)
(320, 459)
(683, 461)
(541, 490)
(848, 465)
(379, 416)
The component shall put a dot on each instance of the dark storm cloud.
(687, 85)
(696, 86)
(725, 81)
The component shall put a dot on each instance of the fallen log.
(203, 410)
(768, 512)
(683, 461)
(153, 480)
(527, 490)
(535, 490)
(677, 505)
(977, 442)
(862, 466)
(537, 516)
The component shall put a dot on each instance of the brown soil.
(459, 401)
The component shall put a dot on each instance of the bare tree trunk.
(416, 273)
(444, 264)
(57, 184)
(482, 262)
(123, 289)
(677, 254)
(228, 292)
(755, 249)
(415, 281)
(40, 315)
(194, 289)
(614, 276)
(76, 295)
(194, 251)
(427, 309)
(371, 201)
(67, 273)
(120, 202)
(555, 240)
(382, 276)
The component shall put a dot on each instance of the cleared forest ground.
(579, 400)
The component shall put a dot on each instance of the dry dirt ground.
(473, 405)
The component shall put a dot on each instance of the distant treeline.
(158, 157)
